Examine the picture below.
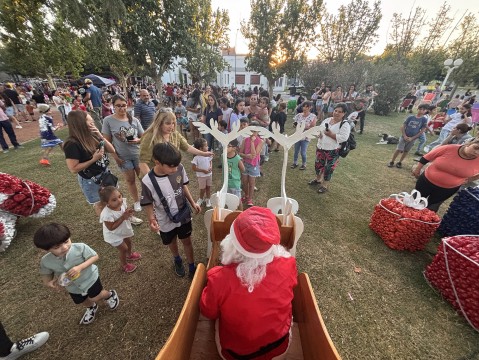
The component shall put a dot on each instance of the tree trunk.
(270, 88)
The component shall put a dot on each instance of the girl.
(125, 131)
(250, 151)
(225, 108)
(212, 111)
(117, 230)
(106, 108)
(309, 119)
(337, 96)
(326, 102)
(48, 138)
(238, 113)
(202, 166)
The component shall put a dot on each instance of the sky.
(240, 10)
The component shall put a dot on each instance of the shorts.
(404, 145)
(251, 170)
(319, 103)
(90, 189)
(10, 111)
(114, 242)
(20, 107)
(236, 192)
(183, 232)
(93, 291)
(130, 165)
(204, 181)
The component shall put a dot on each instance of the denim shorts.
(10, 111)
(130, 165)
(251, 170)
(90, 189)
(236, 192)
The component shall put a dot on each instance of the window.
(240, 79)
(279, 82)
(255, 79)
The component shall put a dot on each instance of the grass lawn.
(384, 311)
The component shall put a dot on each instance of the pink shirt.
(247, 150)
(448, 169)
(248, 321)
(3, 116)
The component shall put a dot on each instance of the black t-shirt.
(74, 150)
(12, 95)
(39, 98)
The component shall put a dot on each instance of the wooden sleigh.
(193, 336)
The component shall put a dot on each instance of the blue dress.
(48, 138)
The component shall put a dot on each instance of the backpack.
(348, 145)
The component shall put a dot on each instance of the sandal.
(322, 190)
(314, 182)
(294, 166)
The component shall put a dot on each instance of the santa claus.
(250, 295)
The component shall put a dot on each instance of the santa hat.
(254, 232)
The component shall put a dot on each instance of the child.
(412, 128)
(181, 121)
(169, 178)
(280, 118)
(117, 230)
(202, 166)
(250, 151)
(244, 122)
(353, 118)
(73, 265)
(235, 169)
(430, 114)
(180, 107)
(48, 138)
(78, 104)
(30, 110)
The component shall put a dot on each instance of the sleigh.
(193, 336)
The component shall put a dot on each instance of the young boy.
(72, 265)
(235, 169)
(171, 179)
(30, 110)
(412, 128)
(182, 122)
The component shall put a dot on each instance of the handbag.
(183, 214)
(106, 179)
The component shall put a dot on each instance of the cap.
(255, 231)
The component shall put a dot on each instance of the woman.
(337, 96)
(125, 131)
(163, 129)
(85, 153)
(326, 102)
(458, 135)
(334, 131)
(349, 97)
(212, 111)
(308, 118)
(450, 167)
(193, 108)
(238, 113)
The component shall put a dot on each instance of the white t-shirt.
(202, 162)
(115, 237)
(342, 134)
(57, 100)
(456, 118)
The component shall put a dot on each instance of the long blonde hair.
(79, 132)
(154, 130)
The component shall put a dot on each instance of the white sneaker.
(266, 158)
(113, 300)
(199, 202)
(25, 346)
(89, 315)
(137, 206)
(135, 221)
(208, 203)
(19, 127)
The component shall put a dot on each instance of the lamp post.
(450, 64)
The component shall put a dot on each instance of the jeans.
(442, 136)
(422, 141)
(302, 146)
(362, 118)
(7, 126)
(209, 139)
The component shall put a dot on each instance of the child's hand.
(154, 225)
(197, 208)
(53, 284)
(127, 214)
(74, 271)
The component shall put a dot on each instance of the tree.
(278, 32)
(210, 29)
(349, 34)
(405, 32)
(36, 41)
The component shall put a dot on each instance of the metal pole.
(449, 71)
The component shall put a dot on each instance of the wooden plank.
(179, 344)
(315, 340)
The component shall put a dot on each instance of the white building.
(236, 74)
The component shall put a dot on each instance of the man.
(145, 109)
(93, 94)
(367, 99)
(13, 108)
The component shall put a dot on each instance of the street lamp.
(450, 64)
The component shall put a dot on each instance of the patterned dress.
(48, 138)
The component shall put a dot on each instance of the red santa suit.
(249, 321)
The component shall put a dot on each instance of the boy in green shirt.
(72, 265)
(235, 169)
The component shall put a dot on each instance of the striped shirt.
(145, 112)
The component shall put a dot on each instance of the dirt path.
(31, 131)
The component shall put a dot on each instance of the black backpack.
(349, 144)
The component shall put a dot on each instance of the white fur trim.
(242, 251)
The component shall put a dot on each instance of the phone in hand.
(326, 126)
(101, 144)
